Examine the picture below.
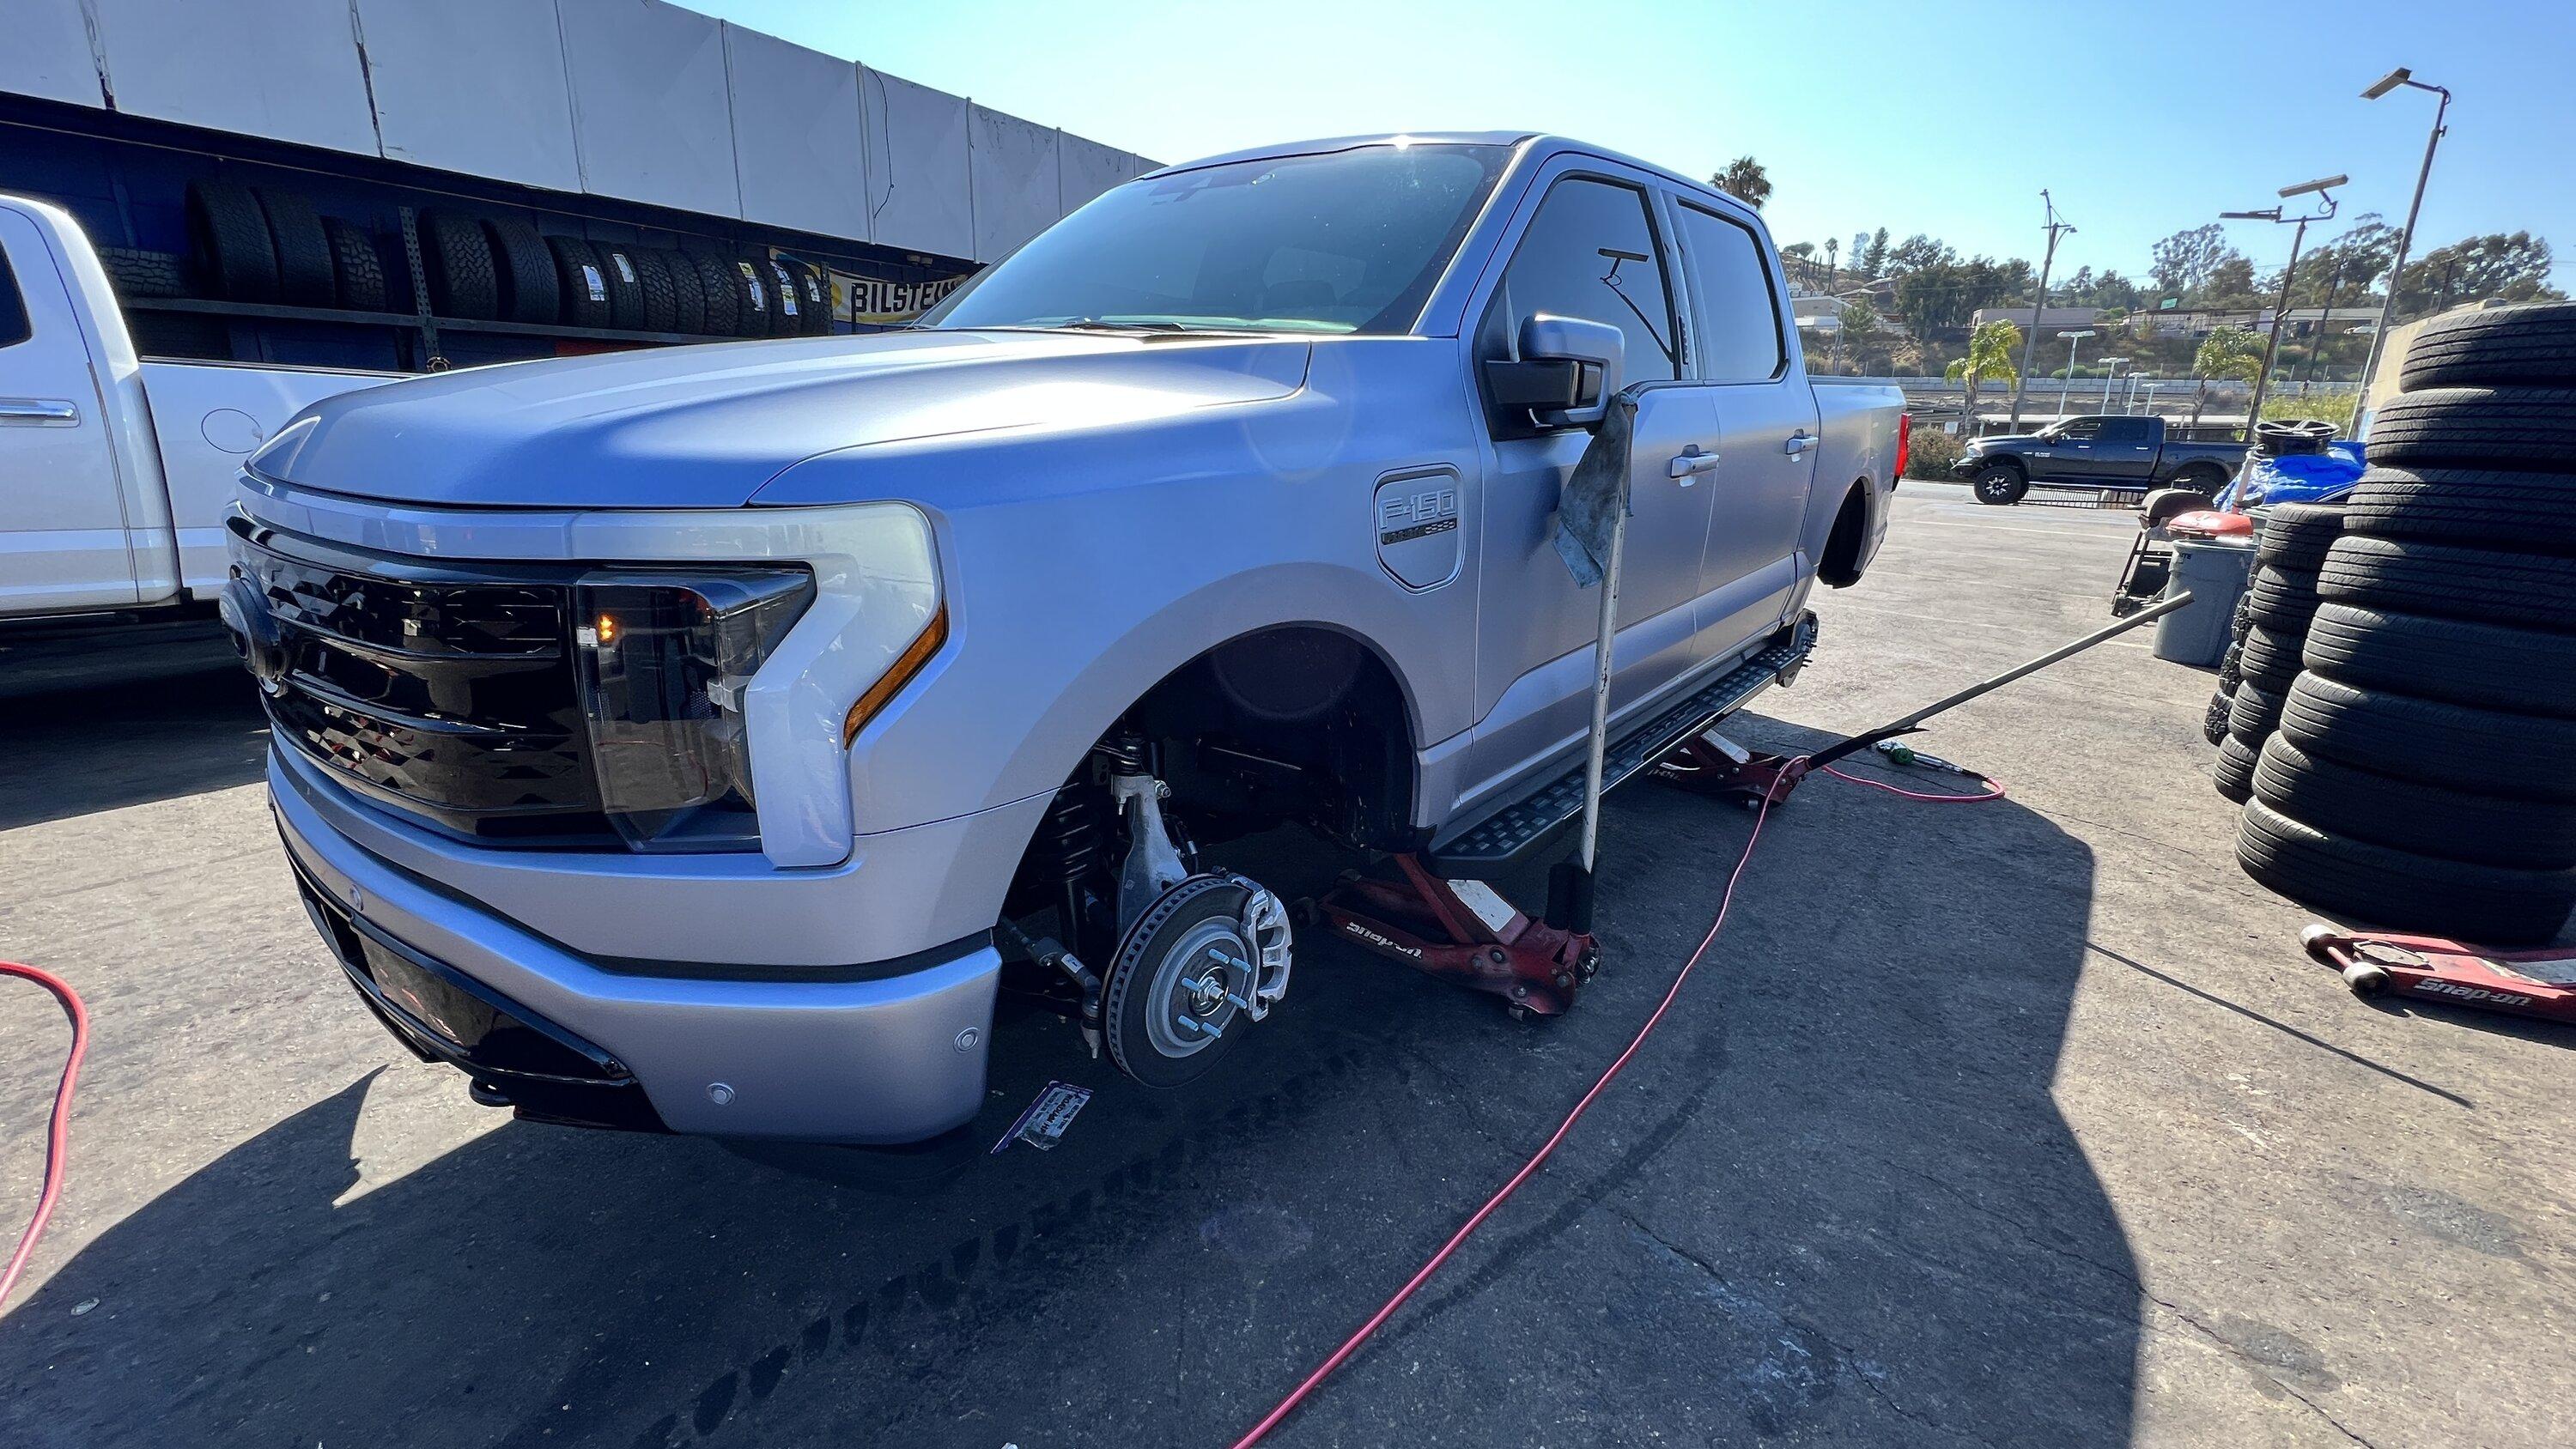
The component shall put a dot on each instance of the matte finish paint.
(1105, 508)
(862, 1061)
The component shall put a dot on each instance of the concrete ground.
(2005, 1124)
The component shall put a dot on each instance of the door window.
(2081, 430)
(1739, 321)
(1591, 254)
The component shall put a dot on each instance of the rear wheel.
(2000, 485)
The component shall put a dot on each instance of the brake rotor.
(1189, 975)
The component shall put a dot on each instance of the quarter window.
(1590, 253)
(1739, 322)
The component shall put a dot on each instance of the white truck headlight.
(665, 657)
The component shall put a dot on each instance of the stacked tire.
(2419, 778)
(2271, 626)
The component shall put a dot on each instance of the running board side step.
(1520, 830)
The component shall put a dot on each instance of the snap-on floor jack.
(1462, 931)
(2525, 983)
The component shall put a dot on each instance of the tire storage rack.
(2419, 777)
(265, 252)
(2270, 627)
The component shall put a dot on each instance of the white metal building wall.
(635, 99)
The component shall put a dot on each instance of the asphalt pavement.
(2011, 1124)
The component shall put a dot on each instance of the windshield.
(1347, 242)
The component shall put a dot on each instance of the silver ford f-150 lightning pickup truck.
(699, 739)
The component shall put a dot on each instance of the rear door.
(1767, 427)
(1593, 248)
(2126, 450)
(63, 541)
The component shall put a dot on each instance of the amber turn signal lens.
(906, 665)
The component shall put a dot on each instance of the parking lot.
(2022, 1123)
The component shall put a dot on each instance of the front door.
(63, 543)
(1767, 428)
(2125, 451)
(1592, 250)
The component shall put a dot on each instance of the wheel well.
(1840, 565)
(1298, 724)
(2202, 469)
(2008, 462)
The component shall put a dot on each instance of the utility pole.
(2405, 238)
(2056, 229)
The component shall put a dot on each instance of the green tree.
(1872, 261)
(2497, 266)
(2230, 283)
(2184, 260)
(1860, 327)
(1989, 359)
(1745, 180)
(2229, 352)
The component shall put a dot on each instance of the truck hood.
(707, 426)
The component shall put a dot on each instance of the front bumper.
(806, 1056)
(1967, 464)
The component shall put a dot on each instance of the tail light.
(1904, 444)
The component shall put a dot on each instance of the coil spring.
(1125, 754)
(1072, 834)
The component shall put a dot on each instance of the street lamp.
(2072, 340)
(2114, 364)
(2320, 188)
(2406, 237)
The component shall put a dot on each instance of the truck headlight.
(664, 659)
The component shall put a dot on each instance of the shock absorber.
(1125, 753)
(1073, 838)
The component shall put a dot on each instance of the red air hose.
(58, 1130)
(1725, 903)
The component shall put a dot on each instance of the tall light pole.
(2056, 229)
(2114, 363)
(2406, 236)
(2320, 188)
(2072, 340)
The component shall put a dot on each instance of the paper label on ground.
(1042, 1125)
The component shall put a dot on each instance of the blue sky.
(1938, 117)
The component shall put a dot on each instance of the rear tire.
(2001, 485)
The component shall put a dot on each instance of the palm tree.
(2227, 352)
(1745, 180)
(1989, 359)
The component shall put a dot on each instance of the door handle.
(1691, 462)
(1799, 442)
(39, 412)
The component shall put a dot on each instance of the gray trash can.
(2215, 575)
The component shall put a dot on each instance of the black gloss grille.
(447, 693)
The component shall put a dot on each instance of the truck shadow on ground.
(1832, 1202)
(154, 739)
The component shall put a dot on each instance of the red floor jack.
(2525, 983)
(1462, 931)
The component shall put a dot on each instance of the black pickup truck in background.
(2101, 452)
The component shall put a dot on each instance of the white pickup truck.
(116, 471)
(698, 740)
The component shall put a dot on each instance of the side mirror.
(1567, 370)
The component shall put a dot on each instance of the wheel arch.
(1847, 542)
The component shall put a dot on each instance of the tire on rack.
(2530, 591)
(2255, 713)
(457, 256)
(357, 272)
(2213, 720)
(228, 236)
(2531, 346)
(2412, 815)
(530, 288)
(625, 284)
(2527, 428)
(2458, 746)
(2232, 771)
(303, 251)
(580, 286)
(2297, 535)
(721, 286)
(2000, 484)
(137, 273)
(764, 313)
(2524, 512)
(813, 298)
(688, 293)
(2281, 598)
(2269, 659)
(2401, 888)
(2487, 666)
(654, 284)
